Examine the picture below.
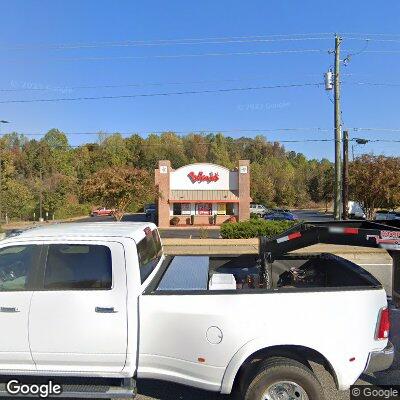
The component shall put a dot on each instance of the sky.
(74, 49)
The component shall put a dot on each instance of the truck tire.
(283, 378)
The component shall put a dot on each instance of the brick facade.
(238, 200)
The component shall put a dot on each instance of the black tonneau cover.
(350, 233)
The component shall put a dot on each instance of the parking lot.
(212, 233)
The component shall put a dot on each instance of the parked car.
(280, 216)
(385, 215)
(258, 209)
(355, 210)
(281, 209)
(150, 211)
(104, 301)
(102, 211)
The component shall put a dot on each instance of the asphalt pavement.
(212, 233)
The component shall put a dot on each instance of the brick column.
(244, 189)
(162, 176)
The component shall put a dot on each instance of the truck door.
(78, 321)
(18, 265)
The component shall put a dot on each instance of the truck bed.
(242, 272)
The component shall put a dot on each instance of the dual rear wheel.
(280, 378)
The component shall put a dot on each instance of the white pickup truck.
(95, 306)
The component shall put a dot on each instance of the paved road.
(312, 215)
(165, 233)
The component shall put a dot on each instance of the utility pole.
(345, 175)
(338, 132)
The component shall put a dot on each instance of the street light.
(1, 122)
(358, 142)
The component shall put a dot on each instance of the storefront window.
(230, 209)
(186, 208)
(221, 208)
(204, 208)
(177, 209)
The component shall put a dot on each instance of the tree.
(262, 186)
(59, 158)
(18, 200)
(219, 151)
(55, 190)
(119, 187)
(196, 147)
(113, 151)
(320, 185)
(375, 182)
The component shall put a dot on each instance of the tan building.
(202, 193)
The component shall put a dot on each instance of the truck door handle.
(105, 310)
(9, 309)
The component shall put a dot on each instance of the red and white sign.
(204, 208)
(389, 240)
(201, 177)
(204, 176)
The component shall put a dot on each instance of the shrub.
(174, 221)
(72, 210)
(254, 216)
(254, 228)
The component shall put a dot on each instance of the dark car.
(280, 216)
(150, 211)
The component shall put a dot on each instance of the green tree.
(119, 187)
(375, 182)
(262, 185)
(219, 153)
(57, 155)
(18, 200)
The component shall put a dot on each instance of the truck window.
(78, 266)
(149, 253)
(17, 267)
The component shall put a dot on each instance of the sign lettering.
(201, 177)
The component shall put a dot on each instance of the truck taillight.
(383, 327)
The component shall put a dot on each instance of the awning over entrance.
(209, 196)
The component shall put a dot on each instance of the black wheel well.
(301, 354)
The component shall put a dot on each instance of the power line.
(369, 34)
(27, 87)
(287, 130)
(375, 51)
(233, 130)
(270, 141)
(160, 94)
(149, 84)
(373, 84)
(177, 56)
(376, 129)
(184, 41)
(371, 39)
(114, 86)
(200, 131)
